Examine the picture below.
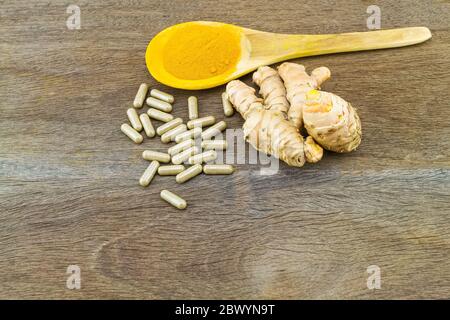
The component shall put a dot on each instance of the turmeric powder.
(200, 51)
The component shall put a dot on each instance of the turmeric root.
(266, 130)
(313, 151)
(331, 121)
(298, 83)
(272, 89)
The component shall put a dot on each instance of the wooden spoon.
(264, 48)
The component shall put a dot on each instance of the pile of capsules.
(185, 151)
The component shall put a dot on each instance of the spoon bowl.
(258, 48)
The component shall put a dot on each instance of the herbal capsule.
(190, 134)
(155, 155)
(159, 115)
(173, 199)
(134, 119)
(131, 133)
(193, 107)
(171, 134)
(189, 173)
(169, 126)
(203, 157)
(218, 169)
(180, 147)
(170, 170)
(149, 173)
(147, 124)
(184, 155)
(201, 122)
(214, 145)
(140, 95)
(158, 104)
(227, 107)
(214, 130)
(162, 96)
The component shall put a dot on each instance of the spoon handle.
(310, 45)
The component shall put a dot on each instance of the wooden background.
(69, 190)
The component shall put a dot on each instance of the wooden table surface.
(69, 192)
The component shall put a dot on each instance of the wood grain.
(69, 190)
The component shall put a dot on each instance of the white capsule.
(159, 115)
(227, 106)
(192, 107)
(201, 122)
(147, 124)
(214, 145)
(171, 134)
(184, 155)
(149, 173)
(134, 119)
(173, 199)
(140, 95)
(218, 169)
(180, 147)
(131, 133)
(190, 134)
(158, 104)
(169, 126)
(170, 170)
(206, 156)
(162, 96)
(155, 155)
(189, 173)
(214, 130)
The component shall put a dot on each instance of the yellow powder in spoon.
(200, 51)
